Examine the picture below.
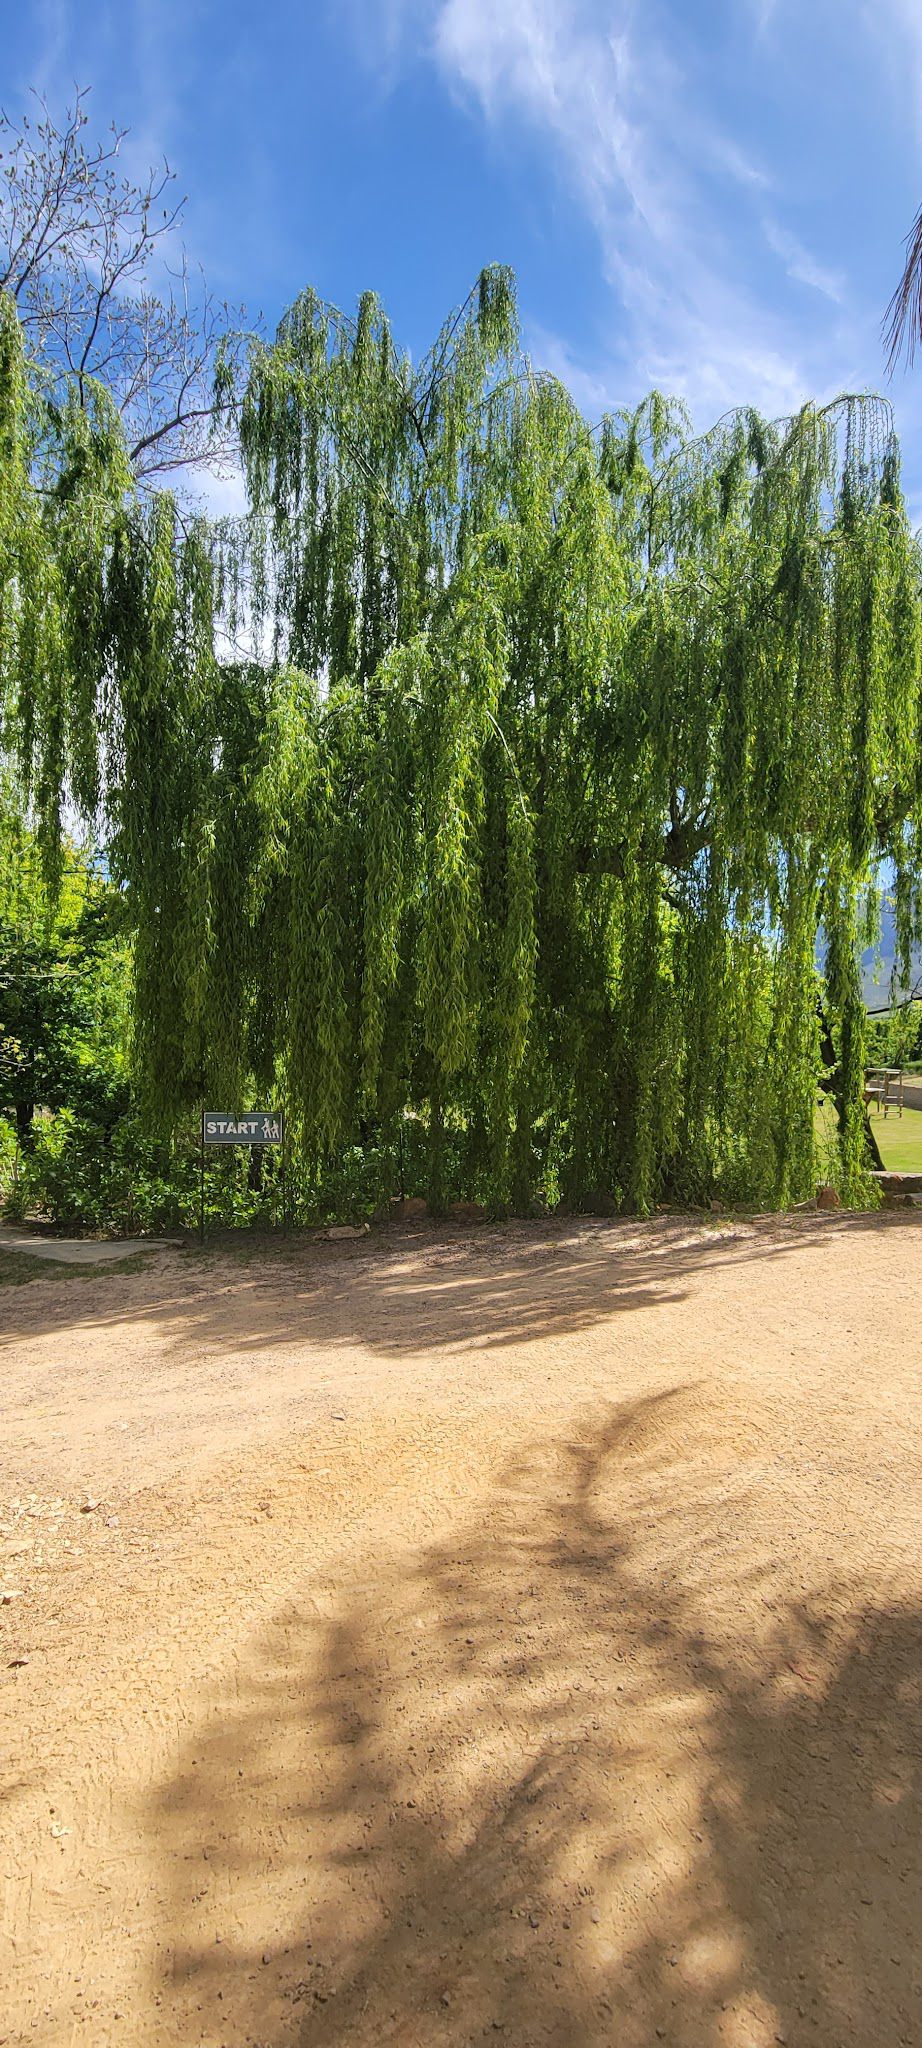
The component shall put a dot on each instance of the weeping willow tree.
(552, 754)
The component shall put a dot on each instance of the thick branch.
(679, 849)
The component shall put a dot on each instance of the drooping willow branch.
(556, 752)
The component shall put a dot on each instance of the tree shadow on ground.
(489, 1287)
(596, 1770)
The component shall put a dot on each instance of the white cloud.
(608, 91)
(222, 496)
(544, 60)
(619, 96)
(799, 263)
(596, 388)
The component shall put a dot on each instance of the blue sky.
(709, 195)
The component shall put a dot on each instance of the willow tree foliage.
(552, 753)
(63, 989)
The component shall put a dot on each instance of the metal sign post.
(201, 1179)
(251, 1127)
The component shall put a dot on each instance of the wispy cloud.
(893, 28)
(729, 277)
(621, 101)
(800, 265)
(581, 84)
(634, 139)
(763, 13)
(51, 28)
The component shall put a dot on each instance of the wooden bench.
(884, 1085)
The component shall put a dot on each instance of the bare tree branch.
(84, 250)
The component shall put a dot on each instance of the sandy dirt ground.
(508, 1635)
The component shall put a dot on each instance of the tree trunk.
(25, 1133)
(833, 1086)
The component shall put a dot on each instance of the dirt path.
(513, 1636)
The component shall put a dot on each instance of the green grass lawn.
(900, 1139)
(17, 1267)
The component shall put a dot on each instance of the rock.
(413, 1205)
(827, 1197)
(88, 1507)
(17, 1663)
(467, 1212)
(346, 1230)
(9, 1594)
(890, 1182)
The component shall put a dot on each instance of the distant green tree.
(63, 994)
